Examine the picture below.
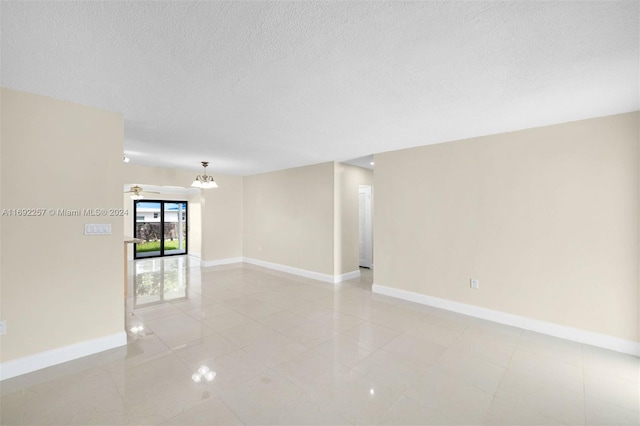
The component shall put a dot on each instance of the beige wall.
(215, 215)
(305, 217)
(289, 217)
(59, 287)
(546, 219)
(222, 219)
(348, 178)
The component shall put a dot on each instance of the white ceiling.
(365, 162)
(260, 86)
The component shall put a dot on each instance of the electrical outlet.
(475, 283)
(3, 327)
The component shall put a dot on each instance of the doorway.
(162, 225)
(365, 224)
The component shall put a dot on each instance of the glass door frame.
(162, 226)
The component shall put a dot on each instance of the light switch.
(97, 229)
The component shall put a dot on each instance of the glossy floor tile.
(239, 344)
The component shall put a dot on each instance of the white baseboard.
(543, 327)
(217, 262)
(333, 279)
(347, 276)
(38, 361)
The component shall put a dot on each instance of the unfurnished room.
(320, 212)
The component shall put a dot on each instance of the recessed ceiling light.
(371, 163)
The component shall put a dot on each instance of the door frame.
(162, 223)
(365, 213)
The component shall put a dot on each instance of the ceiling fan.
(136, 192)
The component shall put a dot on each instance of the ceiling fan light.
(196, 183)
(137, 197)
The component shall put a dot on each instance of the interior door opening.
(162, 225)
(366, 227)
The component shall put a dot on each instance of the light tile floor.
(288, 350)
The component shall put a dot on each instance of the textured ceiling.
(259, 86)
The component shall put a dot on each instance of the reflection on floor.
(241, 344)
(160, 280)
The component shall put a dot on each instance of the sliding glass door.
(175, 227)
(163, 227)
